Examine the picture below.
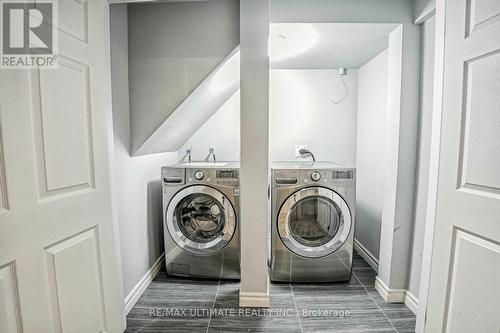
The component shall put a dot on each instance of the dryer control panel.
(301, 177)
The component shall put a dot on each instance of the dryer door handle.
(286, 181)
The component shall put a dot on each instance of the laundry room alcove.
(335, 88)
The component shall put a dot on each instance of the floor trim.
(143, 283)
(397, 295)
(254, 300)
(389, 295)
(365, 254)
(411, 301)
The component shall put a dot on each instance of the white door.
(465, 270)
(58, 266)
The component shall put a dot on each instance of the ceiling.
(326, 45)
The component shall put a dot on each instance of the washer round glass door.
(200, 219)
(314, 222)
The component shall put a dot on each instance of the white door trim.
(434, 164)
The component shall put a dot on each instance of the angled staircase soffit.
(197, 108)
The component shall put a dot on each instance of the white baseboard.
(389, 295)
(143, 283)
(254, 300)
(411, 301)
(365, 254)
(396, 295)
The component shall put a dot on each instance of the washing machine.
(201, 209)
(312, 224)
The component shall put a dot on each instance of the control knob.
(315, 176)
(199, 175)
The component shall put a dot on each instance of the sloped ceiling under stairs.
(196, 109)
(183, 61)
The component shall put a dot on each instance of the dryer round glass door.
(201, 220)
(314, 222)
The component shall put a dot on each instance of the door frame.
(437, 111)
(394, 158)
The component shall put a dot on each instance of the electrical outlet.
(297, 148)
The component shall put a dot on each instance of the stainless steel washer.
(201, 231)
(312, 226)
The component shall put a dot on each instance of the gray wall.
(136, 179)
(425, 128)
(371, 151)
(172, 48)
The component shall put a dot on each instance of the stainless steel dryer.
(201, 205)
(312, 226)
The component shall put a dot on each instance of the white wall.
(221, 132)
(371, 151)
(172, 48)
(302, 112)
(425, 129)
(136, 180)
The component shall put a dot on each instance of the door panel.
(471, 293)
(63, 128)
(4, 202)
(482, 13)
(465, 257)
(73, 19)
(10, 320)
(480, 155)
(57, 230)
(72, 285)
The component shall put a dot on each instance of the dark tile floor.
(181, 305)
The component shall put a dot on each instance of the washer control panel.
(214, 176)
(227, 176)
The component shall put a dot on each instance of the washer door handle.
(286, 181)
(172, 180)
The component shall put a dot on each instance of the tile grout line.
(296, 309)
(213, 306)
(378, 306)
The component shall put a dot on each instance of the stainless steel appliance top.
(206, 165)
(306, 165)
